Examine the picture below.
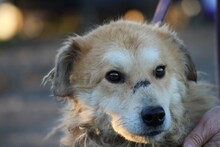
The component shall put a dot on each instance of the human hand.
(207, 132)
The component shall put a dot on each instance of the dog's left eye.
(160, 71)
(114, 77)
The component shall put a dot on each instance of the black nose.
(153, 116)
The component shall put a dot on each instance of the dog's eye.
(160, 71)
(114, 77)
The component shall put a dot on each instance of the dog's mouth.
(153, 133)
(150, 134)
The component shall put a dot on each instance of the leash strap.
(218, 55)
(161, 11)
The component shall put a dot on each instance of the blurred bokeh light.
(11, 20)
(176, 16)
(191, 7)
(33, 26)
(210, 6)
(134, 15)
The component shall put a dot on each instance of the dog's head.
(133, 74)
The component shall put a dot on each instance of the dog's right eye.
(114, 77)
(160, 71)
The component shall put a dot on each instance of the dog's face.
(133, 74)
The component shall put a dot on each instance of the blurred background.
(32, 31)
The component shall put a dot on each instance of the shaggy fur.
(100, 113)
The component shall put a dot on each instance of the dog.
(128, 84)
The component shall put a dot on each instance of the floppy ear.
(190, 69)
(60, 74)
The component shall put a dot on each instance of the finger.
(195, 139)
(200, 135)
(207, 130)
(211, 145)
(214, 141)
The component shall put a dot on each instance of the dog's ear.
(60, 74)
(190, 69)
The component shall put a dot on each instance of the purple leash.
(218, 56)
(161, 11)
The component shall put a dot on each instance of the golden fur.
(104, 114)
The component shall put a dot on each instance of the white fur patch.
(120, 58)
(148, 56)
